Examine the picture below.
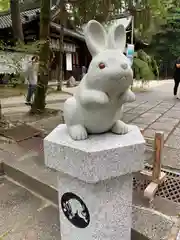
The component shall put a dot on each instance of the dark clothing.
(177, 70)
(176, 85)
(176, 77)
(31, 91)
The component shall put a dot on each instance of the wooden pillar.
(158, 144)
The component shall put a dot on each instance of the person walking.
(176, 77)
(31, 74)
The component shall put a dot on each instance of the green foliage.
(147, 14)
(145, 67)
(31, 48)
(13, 57)
(165, 45)
(150, 17)
(167, 40)
(24, 5)
(150, 61)
(4, 5)
(154, 67)
(101, 10)
(16, 80)
(142, 70)
(17, 55)
(12, 63)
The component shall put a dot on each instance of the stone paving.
(154, 110)
(157, 110)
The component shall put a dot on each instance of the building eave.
(68, 32)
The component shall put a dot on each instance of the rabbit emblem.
(74, 208)
(97, 105)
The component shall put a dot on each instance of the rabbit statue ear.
(95, 37)
(117, 37)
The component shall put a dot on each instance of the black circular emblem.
(75, 210)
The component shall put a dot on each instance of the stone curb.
(20, 104)
(35, 184)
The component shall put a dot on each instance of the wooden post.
(158, 144)
(155, 176)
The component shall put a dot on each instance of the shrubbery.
(144, 67)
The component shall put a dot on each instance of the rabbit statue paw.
(97, 105)
(88, 97)
(78, 132)
(120, 127)
(129, 96)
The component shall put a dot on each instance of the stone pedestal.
(95, 182)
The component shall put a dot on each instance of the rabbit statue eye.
(102, 65)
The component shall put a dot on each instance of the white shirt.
(31, 73)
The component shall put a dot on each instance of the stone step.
(25, 215)
(29, 170)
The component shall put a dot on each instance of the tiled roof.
(5, 20)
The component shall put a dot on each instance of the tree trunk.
(0, 111)
(60, 74)
(43, 77)
(16, 20)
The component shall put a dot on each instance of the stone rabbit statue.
(97, 104)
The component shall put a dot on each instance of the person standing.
(176, 76)
(31, 77)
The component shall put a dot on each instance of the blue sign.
(130, 53)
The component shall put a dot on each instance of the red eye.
(102, 66)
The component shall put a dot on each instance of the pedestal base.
(97, 158)
(95, 211)
(95, 182)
